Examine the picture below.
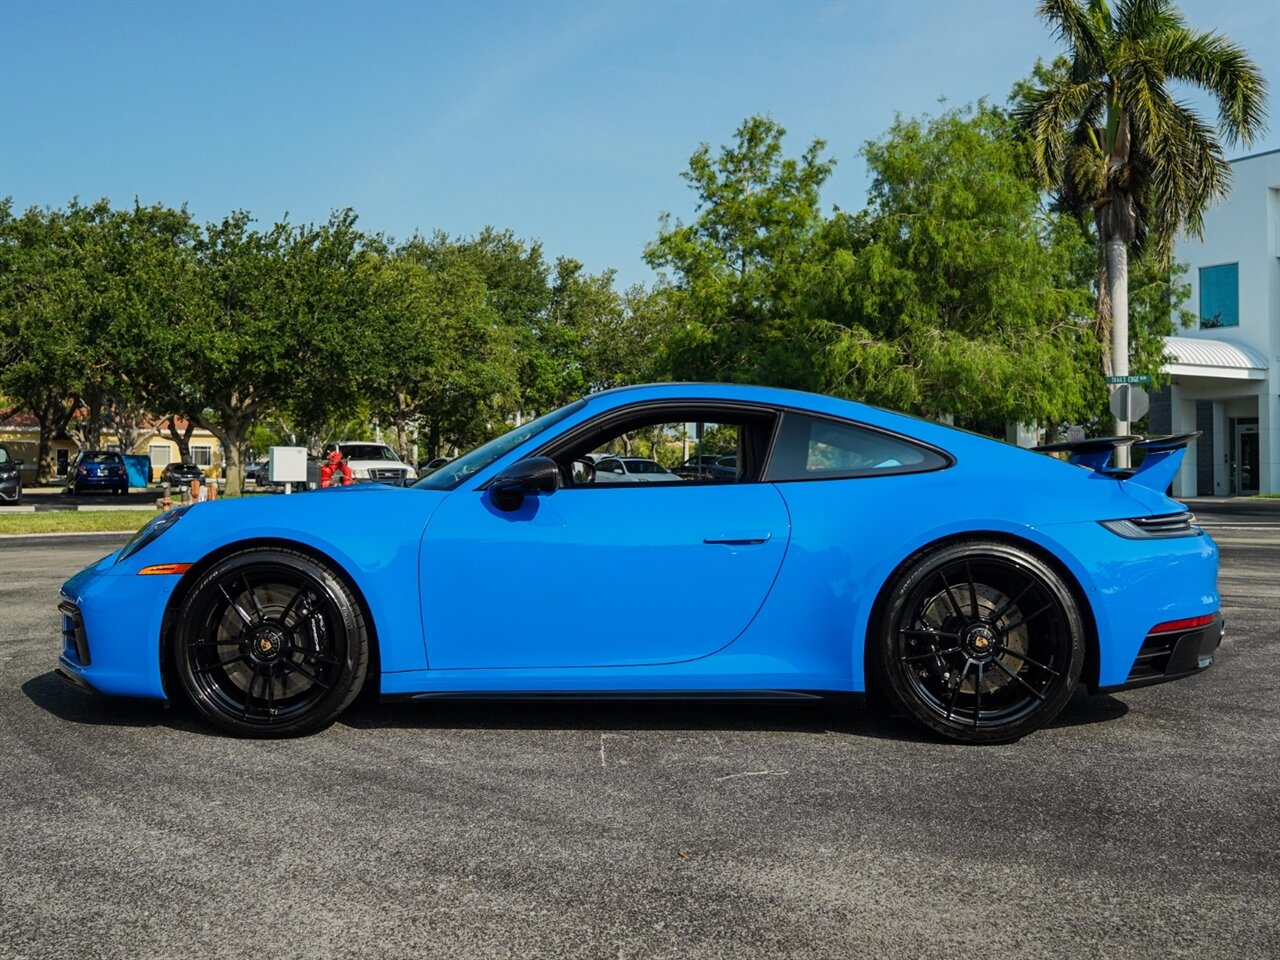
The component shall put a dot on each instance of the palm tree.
(1110, 139)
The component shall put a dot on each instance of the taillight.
(1189, 623)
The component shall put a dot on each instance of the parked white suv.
(369, 463)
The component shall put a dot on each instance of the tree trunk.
(402, 429)
(1118, 291)
(183, 439)
(44, 469)
(1102, 316)
(231, 434)
(433, 439)
(92, 434)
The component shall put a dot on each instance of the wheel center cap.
(981, 640)
(267, 643)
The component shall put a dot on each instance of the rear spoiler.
(1162, 456)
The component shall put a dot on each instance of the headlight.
(362, 472)
(1154, 528)
(150, 531)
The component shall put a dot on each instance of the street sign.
(1129, 403)
(1130, 378)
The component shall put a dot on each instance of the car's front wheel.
(981, 642)
(270, 643)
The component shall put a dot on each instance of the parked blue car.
(98, 470)
(971, 583)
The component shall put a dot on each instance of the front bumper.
(1172, 656)
(10, 487)
(111, 628)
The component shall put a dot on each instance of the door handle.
(741, 540)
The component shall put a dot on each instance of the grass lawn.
(71, 521)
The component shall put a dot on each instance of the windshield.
(367, 451)
(95, 456)
(457, 471)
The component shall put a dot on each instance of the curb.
(66, 533)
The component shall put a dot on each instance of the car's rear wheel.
(270, 643)
(981, 642)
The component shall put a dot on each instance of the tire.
(270, 643)
(980, 642)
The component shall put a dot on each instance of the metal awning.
(1221, 359)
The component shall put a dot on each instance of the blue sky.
(566, 122)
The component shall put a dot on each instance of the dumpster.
(139, 468)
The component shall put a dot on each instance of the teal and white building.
(1226, 368)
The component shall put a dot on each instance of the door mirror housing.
(537, 475)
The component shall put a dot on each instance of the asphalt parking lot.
(1145, 824)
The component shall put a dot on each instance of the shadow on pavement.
(1082, 710)
(57, 697)
(834, 715)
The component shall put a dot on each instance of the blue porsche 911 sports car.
(970, 583)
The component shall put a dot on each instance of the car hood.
(353, 524)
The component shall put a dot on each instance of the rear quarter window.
(814, 448)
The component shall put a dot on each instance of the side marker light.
(164, 569)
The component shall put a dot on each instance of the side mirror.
(533, 476)
(18, 463)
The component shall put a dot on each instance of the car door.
(532, 588)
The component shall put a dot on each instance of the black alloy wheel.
(980, 642)
(270, 643)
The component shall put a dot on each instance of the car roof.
(781, 398)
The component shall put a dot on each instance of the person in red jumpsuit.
(333, 464)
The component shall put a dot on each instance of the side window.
(663, 444)
(811, 448)
(669, 450)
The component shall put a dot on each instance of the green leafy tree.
(1109, 136)
(740, 266)
(628, 345)
(55, 313)
(264, 326)
(443, 364)
(954, 292)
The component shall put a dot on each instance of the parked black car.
(10, 478)
(180, 474)
(98, 470)
(708, 466)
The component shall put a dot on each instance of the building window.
(202, 456)
(159, 453)
(1220, 296)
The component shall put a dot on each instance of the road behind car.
(644, 829)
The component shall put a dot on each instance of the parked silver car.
(633, 470)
